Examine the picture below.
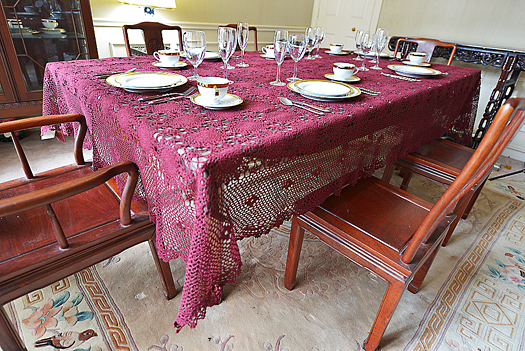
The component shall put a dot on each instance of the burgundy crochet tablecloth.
(211, 178)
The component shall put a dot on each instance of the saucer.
(268, 57)
(228, 101)
(343, 52)
(351, 79)
(178, 65)
(422, 64)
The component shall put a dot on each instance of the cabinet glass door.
(45, 31)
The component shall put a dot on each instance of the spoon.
(287, 102)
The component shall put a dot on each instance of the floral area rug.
(472, 299)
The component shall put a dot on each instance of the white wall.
(480, 22)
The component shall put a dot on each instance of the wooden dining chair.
(423, 45)
(152, 35)
(392, 233)
(250, 29)
(61, 221)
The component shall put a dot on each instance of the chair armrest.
(67, 189)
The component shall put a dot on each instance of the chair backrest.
(152, 35)
(424, 45)
(508, 120)
(250, 29)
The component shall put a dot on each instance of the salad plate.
(414, 71)
(323, 90)
(228, 101)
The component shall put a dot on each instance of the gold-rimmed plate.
(414, 71)
(141, 82)
(228, 101)
(177, 65)
(324, 90)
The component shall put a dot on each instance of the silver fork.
(170, 98)
(162, 96)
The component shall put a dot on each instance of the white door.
(342, 18)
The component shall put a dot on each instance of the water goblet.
(367, 43)
(312, 38)
(381, 41)
(242, 37)
(358, 36)
(297, 44)
(227, 44)
(321, 34)
(194, 43)
(280, 44)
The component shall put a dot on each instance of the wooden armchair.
(251, 29)
(391, 232)
(152, 35)
(424, 45)
(61, 221)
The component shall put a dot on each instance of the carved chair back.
(423, 45)
(152, 32)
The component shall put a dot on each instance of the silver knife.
(311, 106)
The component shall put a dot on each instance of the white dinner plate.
(422, 64)
(342, 53)
(227, 101)
(141, 82)
(178, 65)
(323, 90)
(351, 79)
(414, 71)
(209, 55)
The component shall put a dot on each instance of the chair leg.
(388, 305)
(407, 176)
(458, 211)
(164, 270)
(473, 200)
(294, 252)
(420, 275)
(9, 338)
(388, 173)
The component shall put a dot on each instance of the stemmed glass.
(381, 40)
(242, 37)
(358, 36)
(297, 44)
(312, 38)
(321, 33)
(367, 43)
(194, 43)
(226, 46)
(280, 44)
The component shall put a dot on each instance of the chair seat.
(88, 223)
(374, 216)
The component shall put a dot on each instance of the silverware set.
(159, 99)
(369, 91)
(310, 108)
(401, 77)
(107, 74)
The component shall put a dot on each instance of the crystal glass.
(381, 41)
(321, 33)
(280, 44)
(226, 46)
(358, 36)
(367, 44)
(194, 43)
(242, 37)
(297, 44)
(311, 35)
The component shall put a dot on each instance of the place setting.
(337, 49)
(168, 60)
(213, 94)
(343, 72)
(145, 82)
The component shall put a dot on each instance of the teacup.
(50, 23)
(417, 57)
(212, 88)
(344, 70)
(167, 57)
(268, 50)
(336, 48)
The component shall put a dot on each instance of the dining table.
(213, 177)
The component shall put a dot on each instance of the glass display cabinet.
(33, 33)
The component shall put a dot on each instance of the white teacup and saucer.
(417, 59)
(337, 49)
(213, 94)
(168, 59)
(268, 52)
(343, 72)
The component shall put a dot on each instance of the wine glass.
(226, 46)
(358, 36)
(297, 44)
(242, 37)
(280, 44)
(321, 33)
(381, 41)
(194, 43)
(312, 38)
(367, 43)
